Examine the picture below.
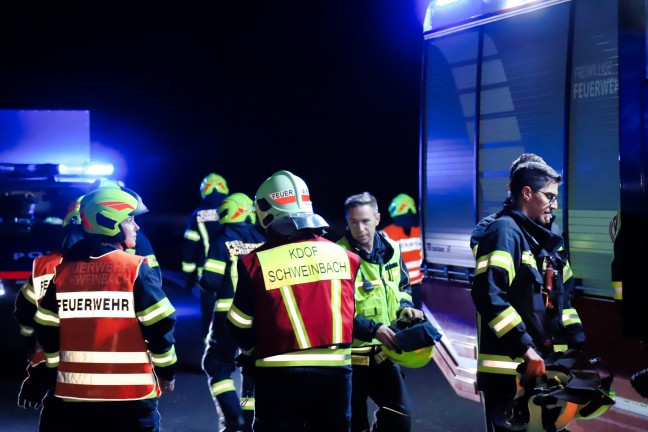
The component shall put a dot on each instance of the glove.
(639, 381)
(34, 387)
(246, 363)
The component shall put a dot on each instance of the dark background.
(328, 90)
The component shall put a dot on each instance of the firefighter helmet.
(73, 215)
(236, 208)
(213, 182)
(285, 198)
(411, 359)
(552, 401)
(416, 337)
(402, 204)
(103, 209)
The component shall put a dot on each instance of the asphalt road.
(436, 408)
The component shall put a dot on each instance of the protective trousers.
(140, 415)
(300, 399)
(383, 382)
(219, 364)
(495, 404)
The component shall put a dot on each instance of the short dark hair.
(364, 198)
(536, 175)
(524, 157)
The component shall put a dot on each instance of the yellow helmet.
(416, 338)
(565, 393)
(236, 208)
(103, 209)
(213, 182)
(411, 359)
(402, 204)
(73, 215)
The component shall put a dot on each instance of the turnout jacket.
(104, 323)
(382, 287)
(220, 273)
(294, 304)
(512, 299)
(202, 228)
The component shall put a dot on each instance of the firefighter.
(292, 314)
(521, 290)
(106, 326)
(478, 232)
(405, 230)
(382, 296)
(202, 228)
(34, 387)
(240, 237)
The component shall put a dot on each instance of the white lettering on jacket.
(96, 304)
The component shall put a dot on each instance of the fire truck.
(45, 165)
(565, 80)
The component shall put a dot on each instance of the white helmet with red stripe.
(284, 198)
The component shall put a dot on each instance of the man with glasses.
(521, 291)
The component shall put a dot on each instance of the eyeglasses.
(551, 197)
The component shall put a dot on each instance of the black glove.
(34, 387)
(246, 363)
(639, 381)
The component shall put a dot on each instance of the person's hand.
(387, 337)
(166, 385)
(34, 387)
(412, 313)
(535, 366)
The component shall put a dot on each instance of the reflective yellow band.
(215, 266)
(497, 259)
(295, 317)
(570, 316)
(247, 404)
(336, 310)
(223, 305)
(505, 321)
(310, 357)
(567, 272)
(238, 318)
(497, 364)
(192, 235)
(188, 267)
(528, 259)
(220, 387)
(618, 290)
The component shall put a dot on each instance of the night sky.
(328, 90)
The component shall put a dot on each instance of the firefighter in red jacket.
(293, 314)
(106, 326)
(219, 276)
(405, 230)
(34, 387)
